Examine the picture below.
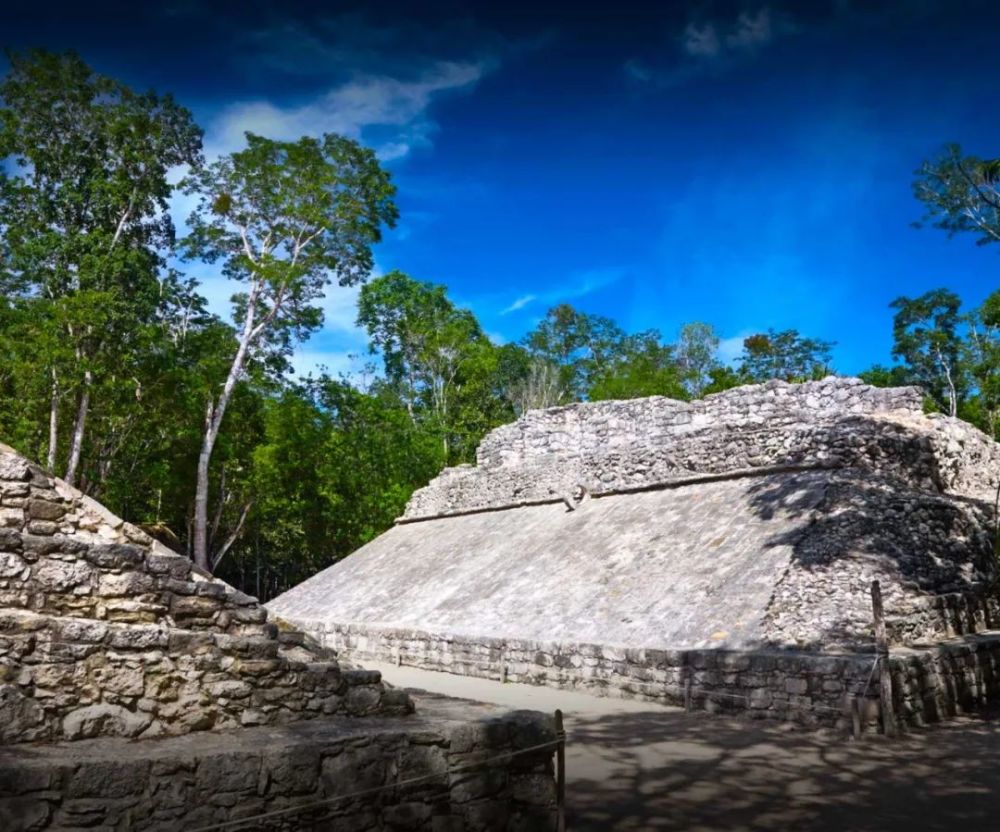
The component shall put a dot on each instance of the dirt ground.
(636, 766)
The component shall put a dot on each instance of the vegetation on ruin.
(114, 371)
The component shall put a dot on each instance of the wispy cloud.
(520, 303)
(397, 106)
(711, 45)
(578, 285)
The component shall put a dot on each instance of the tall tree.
(641, 365)
(580, 344)
(926, 339)
(697, 355)
(961, 194)
(435, 354)
(286, 218)
(84, 217)
(982, 358)
(785, 355)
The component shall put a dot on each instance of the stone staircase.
(104, 631)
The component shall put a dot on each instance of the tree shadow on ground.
(660, 770)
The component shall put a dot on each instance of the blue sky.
(746, 164)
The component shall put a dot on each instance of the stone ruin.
(718, 552)
(138, 693)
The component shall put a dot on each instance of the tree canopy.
(115, 372)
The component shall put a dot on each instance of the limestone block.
(21, 717)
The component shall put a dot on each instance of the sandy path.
(636, 766)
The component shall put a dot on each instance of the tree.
(640, 366)
(697, 349)
(529, 382)
(437, 356)
(579, 344)
(926, 339)
(880, 376)
(982, 358)
(961, 194)
(286, 218)
(84, 215)
(785, 355)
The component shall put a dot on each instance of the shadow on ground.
(662, 770)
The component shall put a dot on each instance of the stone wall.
(73, 678)
(773, 684)
(103, 631)
(588, 427)
(460, 753)
(548, 454)
(930, 683)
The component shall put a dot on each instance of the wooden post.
(882, 654)
(503, 665)
(856, 717)
(560, 773)
(687, 690)
(399, 657)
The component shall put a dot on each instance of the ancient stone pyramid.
(753, 519)
(104, 631)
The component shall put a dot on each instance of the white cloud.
(578, 285)
(520, 303)
(710, 45)
(751, 30)
(367, 101)
(701, 41)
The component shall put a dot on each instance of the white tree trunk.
(213, 422)
(50, 457)
(79, 429)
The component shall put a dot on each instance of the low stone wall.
(943, 617)
(942, 681)
(461, 754)
(587, 427)
(807, 688)
(66, 678)
(929, 683)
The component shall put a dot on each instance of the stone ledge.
(194, 780)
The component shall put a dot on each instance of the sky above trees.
(745, 164)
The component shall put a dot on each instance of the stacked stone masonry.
(930, 683)
(103, 631)
(475, 771)
(611, 447)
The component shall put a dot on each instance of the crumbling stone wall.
(609, 447)
(589, 427)
(103, 631)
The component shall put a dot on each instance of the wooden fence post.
(856, 717)
(882, 657)
(687, 689)
(560, 773)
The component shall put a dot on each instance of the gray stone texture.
(103, 631)
(201, 779)
(753, 520)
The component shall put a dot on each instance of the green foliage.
(926, 339)
(287, 219)
(961, 194)
(785, 355)
(640, 365)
